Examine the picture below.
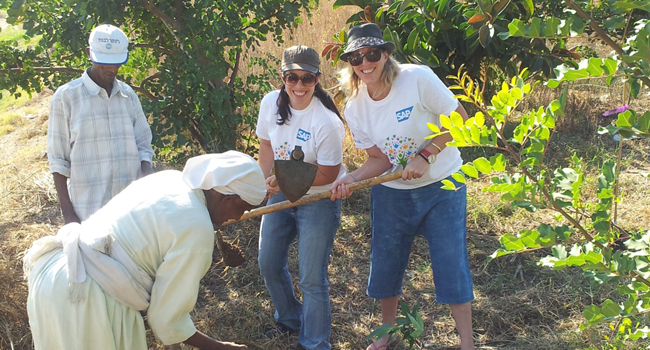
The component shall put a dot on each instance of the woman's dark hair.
(283, 103)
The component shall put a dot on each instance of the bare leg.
(388, 315)
(462, 314)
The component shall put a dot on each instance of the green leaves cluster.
(445, 34)
(185, 60)
(409, 324)
(587, 235)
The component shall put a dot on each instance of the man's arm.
(146, 168)
(61, 185)
(143, 135)
(202, 341)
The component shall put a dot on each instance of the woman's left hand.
(415, 168)
(272, 187)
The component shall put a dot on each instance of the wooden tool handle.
(315, 197)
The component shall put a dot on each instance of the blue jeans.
(315, 225)
(440, 216)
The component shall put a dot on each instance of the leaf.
(458, 177)
(499, 7)
(459, 138)
(498, 162)
(517, 28)
(511, 242)
(475, 133)
(530, 7)
(498, 253)
(485, 5)
(630, 5)
(483, 165)
(534, 27)
(469, 170)
(477, 18)
(610, 309)
(614, 22)
(479, 118)
(530, 238)
(485, 34)
(643, 122)
(610, 66)
(412, 41)
(448, 185)
(624, 119)
(445, 122)
(339, 3)
(594, 68)
(434, 128)
(593, 314)
(552, 27)
(380, 331)
(457, 119)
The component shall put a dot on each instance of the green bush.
(185, 60)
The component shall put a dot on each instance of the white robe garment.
(165, 228)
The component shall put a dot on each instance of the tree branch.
(605, 37)
(139, 89)
(45, 69)
(170, 22)
(235, 70)
(143, 91)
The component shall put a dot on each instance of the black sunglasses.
(371, 55)
(307, 79)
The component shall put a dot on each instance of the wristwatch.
(428, 156)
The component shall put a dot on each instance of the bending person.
(144, 252)
(302, 114)
(388, 109)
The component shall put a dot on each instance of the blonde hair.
(350, 81)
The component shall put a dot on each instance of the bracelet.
(354, 178)
(436, 146)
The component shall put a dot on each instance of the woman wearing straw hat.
(301, 114)
(389, 105)
(142, 255)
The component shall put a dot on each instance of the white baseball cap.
(108, 45)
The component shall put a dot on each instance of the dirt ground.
(519, 305)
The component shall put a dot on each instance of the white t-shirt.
(397, 124)
(316, 129)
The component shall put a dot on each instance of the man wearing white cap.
(98, 138)
(143, 253)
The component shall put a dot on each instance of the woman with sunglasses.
(388, 108)
(301, 114)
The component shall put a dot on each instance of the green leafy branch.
(409, 324)
(590, 239)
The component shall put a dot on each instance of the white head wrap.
(228, 173)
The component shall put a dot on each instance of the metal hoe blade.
(294, 175)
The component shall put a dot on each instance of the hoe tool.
(294, 176)
(233, 256)
(314, 197)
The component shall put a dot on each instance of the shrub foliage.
(185, 59)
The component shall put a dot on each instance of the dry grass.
(518, 304)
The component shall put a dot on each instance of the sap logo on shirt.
(404, 114)
(303, 135)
